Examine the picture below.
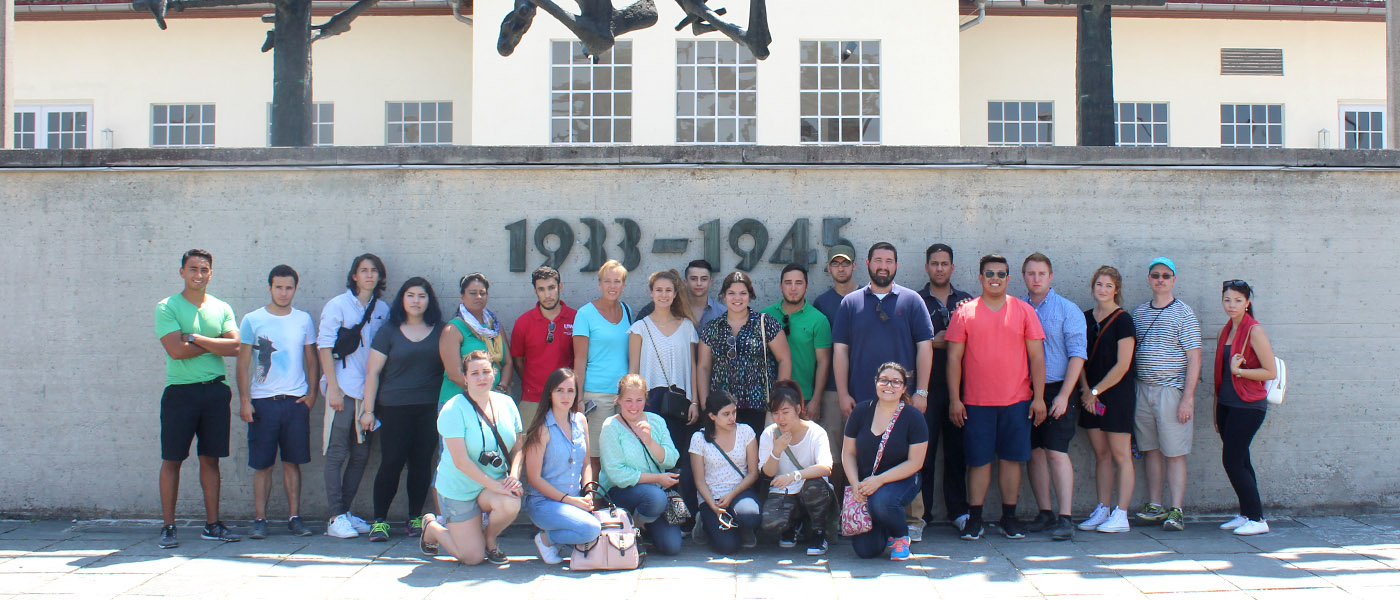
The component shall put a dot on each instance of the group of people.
(701, 414)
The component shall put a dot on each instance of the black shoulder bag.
(347, 339)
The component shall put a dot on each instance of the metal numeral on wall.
(748, 258)
(597, 252)
(565, 236)
(631, 236)
(711, 231)
(517, 246)
(794, 247)
(831, 232)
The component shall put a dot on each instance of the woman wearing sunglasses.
(882, 453)
(479, 470)
(473, 328)
(1244, 360)
(724, 458)
(557, 467)
(743, 353)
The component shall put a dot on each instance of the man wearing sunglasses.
(542, 339)
(1168, 365)
(996, 386)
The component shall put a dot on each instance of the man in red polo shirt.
(542, 340)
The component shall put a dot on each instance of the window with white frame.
(322, 123)
(716, 93)
(53, 126)
(1251, 125)
(1141, 123)
(1017, 123)
(418, 123)
(1363, 126)
(182, 125)
(839, 92)
(590, 100)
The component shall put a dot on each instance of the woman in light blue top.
(479, 470)
(600, 348)
(556, 468)
(636, 453)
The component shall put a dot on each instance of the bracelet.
(562, 496)
(773, 456)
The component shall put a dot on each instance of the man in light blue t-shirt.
(277, 375)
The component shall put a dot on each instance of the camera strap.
(490, 424)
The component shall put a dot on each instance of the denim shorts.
(457, 511)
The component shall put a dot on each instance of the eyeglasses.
(1161, 275)
(994, 274)
(787, 325)
(550, 338)
(880, 311)
(890, 382)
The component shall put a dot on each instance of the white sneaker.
(1234, 523)
(1095, 519)
(1117, 522)
(548, 553)
(960, 521)
(359, 524)
(916, 533)
(340, 527)
(1252, 528)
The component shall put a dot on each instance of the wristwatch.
(923, 393)
(188, 337)
(1094, 392)
(797, 476)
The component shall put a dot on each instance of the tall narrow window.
(839, 100)
(182, 125)
(1251, 125)
(418, 123)
(590, 96)
(716, 93)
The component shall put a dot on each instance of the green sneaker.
(1175, 521)
(414, 527)
(1152, 513)
(379, 532)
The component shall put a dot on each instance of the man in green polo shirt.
(196, 331)
(808, 336)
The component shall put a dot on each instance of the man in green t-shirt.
(808, 335)
(197, 331)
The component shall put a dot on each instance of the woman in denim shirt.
(636, 451)
(556, 467)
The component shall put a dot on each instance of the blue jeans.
(645, 502)
(746, 515)
(563, 524)
(887, 507)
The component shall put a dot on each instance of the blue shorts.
(1002, 432)
(279, 423)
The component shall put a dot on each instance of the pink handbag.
(855, 514)
(616, 548)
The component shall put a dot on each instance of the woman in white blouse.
(796, 454)
(724, 458)
(662, 350)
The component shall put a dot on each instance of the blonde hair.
(631, 381)
(1113, 275)
(612, 265)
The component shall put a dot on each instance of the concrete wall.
(93, 249)
(1325, 63)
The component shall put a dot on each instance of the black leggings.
(407, 435)
(1237, 429)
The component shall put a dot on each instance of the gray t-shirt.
(1164, 335)
(413, 372)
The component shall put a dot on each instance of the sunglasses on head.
(1237, 284)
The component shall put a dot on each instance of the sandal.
(423, 545)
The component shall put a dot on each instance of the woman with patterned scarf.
(474, 328)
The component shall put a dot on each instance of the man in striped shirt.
(1168, 365)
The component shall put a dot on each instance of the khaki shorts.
(834, 424)
(527, 412)
(606, 407)
(1155, 422)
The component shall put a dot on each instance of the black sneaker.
(259, 529)
(496, 557)
(816, 545)
(1064, 529)
(1042, 522)
(167, 537)
(379, 532)
(297, 527)
(1011, 528)
(788, 539)
(971, 530)
(217, 531)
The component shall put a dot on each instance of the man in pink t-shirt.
(996, 388)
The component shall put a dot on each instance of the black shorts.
(195, 409)
(1055, 434)
(279, 423)
(1118, 412)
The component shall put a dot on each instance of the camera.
(491, 458)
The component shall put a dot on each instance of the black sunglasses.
(995, 274)
(549, 339)
(880, 311)
(1238, 284)
(787, 325)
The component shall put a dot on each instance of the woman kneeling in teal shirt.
(636, 452)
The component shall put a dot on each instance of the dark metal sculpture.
(598, 23)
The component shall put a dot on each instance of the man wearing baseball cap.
(1168, 365)
(840, 264)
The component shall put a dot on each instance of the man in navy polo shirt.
(879, 323)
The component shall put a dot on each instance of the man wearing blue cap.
(1168, 365)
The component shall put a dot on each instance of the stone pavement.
(1312, 558)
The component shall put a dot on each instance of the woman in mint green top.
(479, 471)
(636, 452)
(474, 328)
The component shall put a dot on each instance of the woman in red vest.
(1239, 400)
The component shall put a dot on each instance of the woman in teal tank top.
(474, 328)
